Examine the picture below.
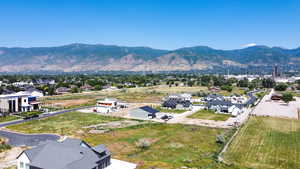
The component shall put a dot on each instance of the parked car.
(166, 117)
(31, 117)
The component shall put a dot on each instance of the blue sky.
(164, 24)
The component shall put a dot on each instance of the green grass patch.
(166, 110)
(30, 113)
(265, 142)
(209, 115)
(8, 118)
(235, 90)
(70, 123)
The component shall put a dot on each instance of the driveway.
(17, 139)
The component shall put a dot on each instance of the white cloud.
(249, 45)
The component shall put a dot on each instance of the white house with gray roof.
(68, 154)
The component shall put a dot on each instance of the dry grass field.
(267, 143)
(131, 95)
(171, 146)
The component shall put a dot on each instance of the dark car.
(31, 117)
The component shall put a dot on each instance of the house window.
(21, 165)
(27, 166)
(25, 100)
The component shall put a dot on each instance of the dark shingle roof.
(149, 109)
(69, 154)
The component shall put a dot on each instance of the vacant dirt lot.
(68, 103)
(277, 108)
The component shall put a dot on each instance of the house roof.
(69, 154)
(149, 109)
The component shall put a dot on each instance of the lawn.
(165, 110)
(172, 146)
(8, 118)
(70, 123)
(209, 115)
(265, 142)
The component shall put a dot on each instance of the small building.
(107, 105)
(67, 154)
(145, 112)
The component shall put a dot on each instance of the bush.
(143, 143)
(281, 87)
(287, 97)
(227, 88)
(220, 139)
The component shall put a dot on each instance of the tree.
(281, 87)
(287, 97)
(243, 83)
(227, 88)
(74, 90)
(268, 83)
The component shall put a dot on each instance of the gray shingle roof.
(69, 154)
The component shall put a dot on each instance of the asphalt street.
(17, 139)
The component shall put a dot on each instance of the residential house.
(67, 154)
(145, 112)
(18, 102)
(175, 103)
(44, 82)
(182, 96)
(87, 87)
(32, 92)
(224, 106)
(107, 105)
(22, 84)
(62, 90)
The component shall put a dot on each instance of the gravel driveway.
(277, 108)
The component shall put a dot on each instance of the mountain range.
(86, 57)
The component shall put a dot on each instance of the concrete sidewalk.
(118, 164)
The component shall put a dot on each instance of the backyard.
(265, 142)
(209, 115)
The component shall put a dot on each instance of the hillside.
(84, 57)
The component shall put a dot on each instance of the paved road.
(16, 139)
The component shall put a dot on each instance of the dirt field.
(8, 158)
(68, 103)
(277, 108)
